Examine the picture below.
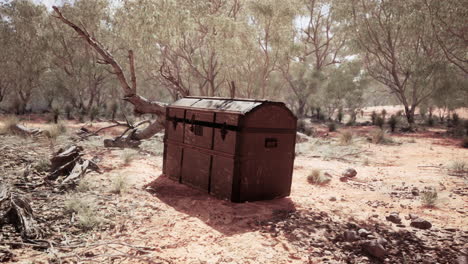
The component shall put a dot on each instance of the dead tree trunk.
(15, 210)
(141, 104)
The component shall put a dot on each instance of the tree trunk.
(141, 104)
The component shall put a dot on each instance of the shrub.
(119, 184)
(377, 136)
(127, 156)
(8, 125)
(83, 186)
(430, 121)
(379, 121)
(93, 113)
(465, 142)
(303, 128)
(429, 198)
(42, 165)
(331, 127)
(455, 119)
(317, 178)
(384, 114)
(373, 117)
(458, 166)
(54, 131)
(346, 138)
(340, 115)
(393, 122)
(68, 111)
(85, 211)
(55, 114)
(114, 108)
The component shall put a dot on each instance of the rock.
(394, 218)
(412, 216)
(382, 241)
(375, 249)
(351, 236)
(332, 199)
(415, 191)
(344, 179)
(421, 223)
(363, 232)
(350, 173)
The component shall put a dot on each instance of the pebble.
(394, 218)
(421, 223)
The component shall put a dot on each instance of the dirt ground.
(156, 220)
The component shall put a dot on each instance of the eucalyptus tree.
(398, 46)
(273, 22)
(79, 73)
(27, 42)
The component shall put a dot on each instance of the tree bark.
(141, 104)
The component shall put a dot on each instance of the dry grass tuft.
(346, 138)
(127, 156)
(8, 125)
(429, 198)
(119, 184)
(316, 177)
(85, 211)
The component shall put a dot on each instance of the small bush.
(393, 122)
(42, 165)
(127, 156)
(379, 121)
(83, 186)
(346, 138)
(8, 125)
(317, 178)
(377, 136)
(55, 114)
(373, 117)
(93, 113)
(54, 131)
(455, 119)
(429, 198)
(430, 121)
(85, 211)
(458, 166)
(331, 127)
(366, 162)
(340, 115)
(68, 111)
(304, 128)
(465, 142)
(384, 114)
(119, 184)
